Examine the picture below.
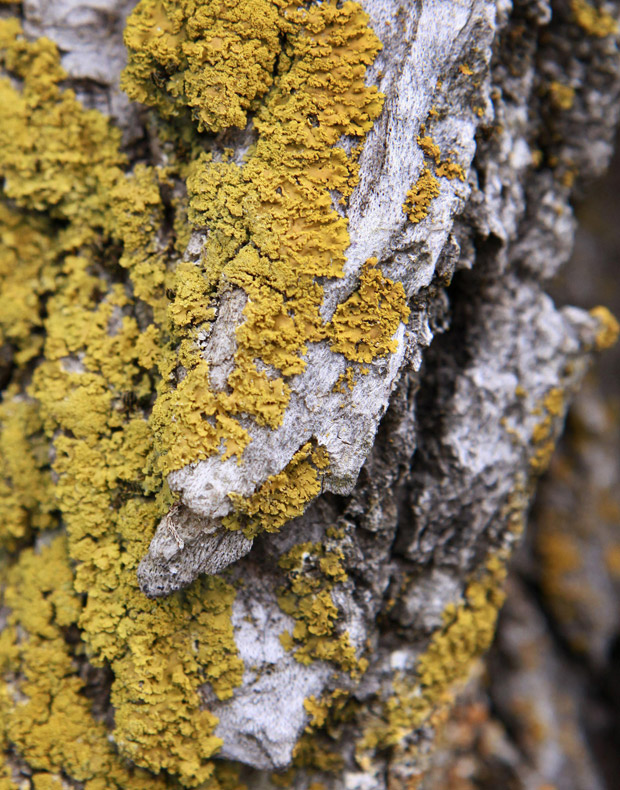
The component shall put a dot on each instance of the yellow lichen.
(553, 406)
(346, 379)
(209, 63)
(427, 187)
(594, 21)
(53, 728)
(310, 754)
(420, 196)
(312, 570)
(109, 390)
(272, 229)
(450, 169)
(609, 331)
(363, 326)
(47, 140)
(430, 148)
(26, 490)
(282, 497)
(467, 632)
(562, 96)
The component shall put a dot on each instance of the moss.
(594, 21)
(467, 632)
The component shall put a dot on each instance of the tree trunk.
(281, 370)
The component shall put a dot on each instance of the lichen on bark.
(212, 327)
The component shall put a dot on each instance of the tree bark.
(361, 623)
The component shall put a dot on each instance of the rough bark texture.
(360, 622)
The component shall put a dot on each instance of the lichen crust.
(106, 310)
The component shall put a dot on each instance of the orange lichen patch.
(609, 331)
(593, 20)
(363, 326)
(307, 598)
(210, 63)
(282, 497)
(467, 631)
(420, 196)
